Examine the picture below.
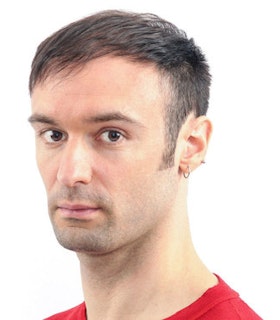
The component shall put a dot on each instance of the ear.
(194, 135)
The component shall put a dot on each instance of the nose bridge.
(75, 163)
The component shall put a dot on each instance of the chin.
(83, 240)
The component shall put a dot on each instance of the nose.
(75, 164)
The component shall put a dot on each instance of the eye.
(111, 136)
(52, 136)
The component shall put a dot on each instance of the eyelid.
(120, 132)
(43, 134)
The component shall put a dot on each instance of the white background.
(233, 199)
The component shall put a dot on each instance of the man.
(118, 107)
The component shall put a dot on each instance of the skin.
(100, 139)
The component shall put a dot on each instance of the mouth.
(77, 211)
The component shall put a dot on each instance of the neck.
(156, 276)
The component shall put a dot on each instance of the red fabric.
(77, 313)
(217, 303)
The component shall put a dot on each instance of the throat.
(134, 285)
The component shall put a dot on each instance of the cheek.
(47, 168)
(131, 179)
(143, 195)
(142, 205)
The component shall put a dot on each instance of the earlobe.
(195, 135)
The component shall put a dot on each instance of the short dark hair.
(144, 38)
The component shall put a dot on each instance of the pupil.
(56, 136)
(114, 135)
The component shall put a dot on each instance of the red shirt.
(217, 303)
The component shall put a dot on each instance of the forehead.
(106, 84)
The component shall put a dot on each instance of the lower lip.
(79, 214)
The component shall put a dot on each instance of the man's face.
(100, 141)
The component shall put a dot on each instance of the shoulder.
(217, 303)
(76, 313)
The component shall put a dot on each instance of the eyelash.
(47, 135)
(119, 134)
(52, 132)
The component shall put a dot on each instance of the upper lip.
(76, 206)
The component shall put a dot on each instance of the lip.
(77, 211)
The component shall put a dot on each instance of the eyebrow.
(113, 116)
(106, 117)
(40, 118)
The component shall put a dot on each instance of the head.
(143, 38)
(118, 101)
